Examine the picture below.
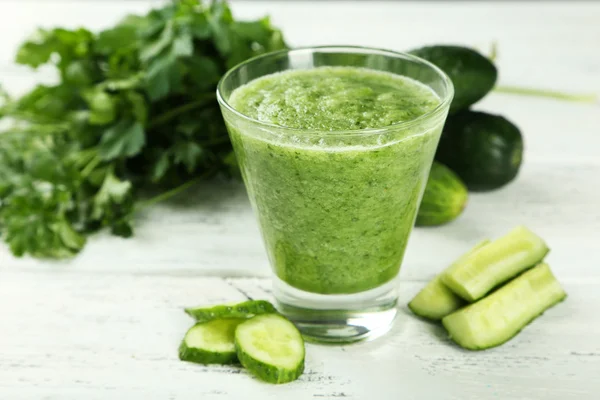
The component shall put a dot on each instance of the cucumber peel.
(444, 198)
(210, 342)
(474, 276)
(473, 74)
(271, 348)
(501, 315)
(483, 149)
(246, 309)
(436, 300)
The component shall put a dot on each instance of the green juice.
(336, 200)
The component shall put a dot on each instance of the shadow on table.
(208, 194)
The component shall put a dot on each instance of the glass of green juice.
(335, 145)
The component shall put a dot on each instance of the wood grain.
(73, 335)
(107, 324)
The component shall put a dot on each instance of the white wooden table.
(107, 324)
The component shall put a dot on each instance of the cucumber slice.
(501, 315)
(246, 309)
(210, 342)
(435, 300)
(271, 348)
(471, 278)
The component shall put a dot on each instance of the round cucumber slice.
(271, 348)
(210, 342)
(246, 309)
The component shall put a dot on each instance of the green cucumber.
(210, 342)
(435, 300)
(485, 150)
(271, 348)
(474, 276)
(501, 315)
(246, 309)
(444, 199)
(473, 74)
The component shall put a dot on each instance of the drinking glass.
(336, 208)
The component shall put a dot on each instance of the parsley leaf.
(134, 109)
(124, 139)
(102, 107)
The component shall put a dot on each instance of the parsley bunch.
(135, 107)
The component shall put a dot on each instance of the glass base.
(338, 318)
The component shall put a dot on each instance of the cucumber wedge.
(210, 342)
(474, 276)
(501, 315)
(435, 300)
(246, 309)
(271, 348)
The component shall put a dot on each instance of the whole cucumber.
(472, 74)
(444, 199)
(484, 150)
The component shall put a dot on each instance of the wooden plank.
(107, 324)
(556, 193)
(212, 230)
(73, 335)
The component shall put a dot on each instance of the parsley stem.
(91, 166)
(493, 51)
(173, 192)
(582, 97)
(169, 115)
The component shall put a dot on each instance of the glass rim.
(444, 102)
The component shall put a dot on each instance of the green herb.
(134, 107)
(535, 92)
(552, 94)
